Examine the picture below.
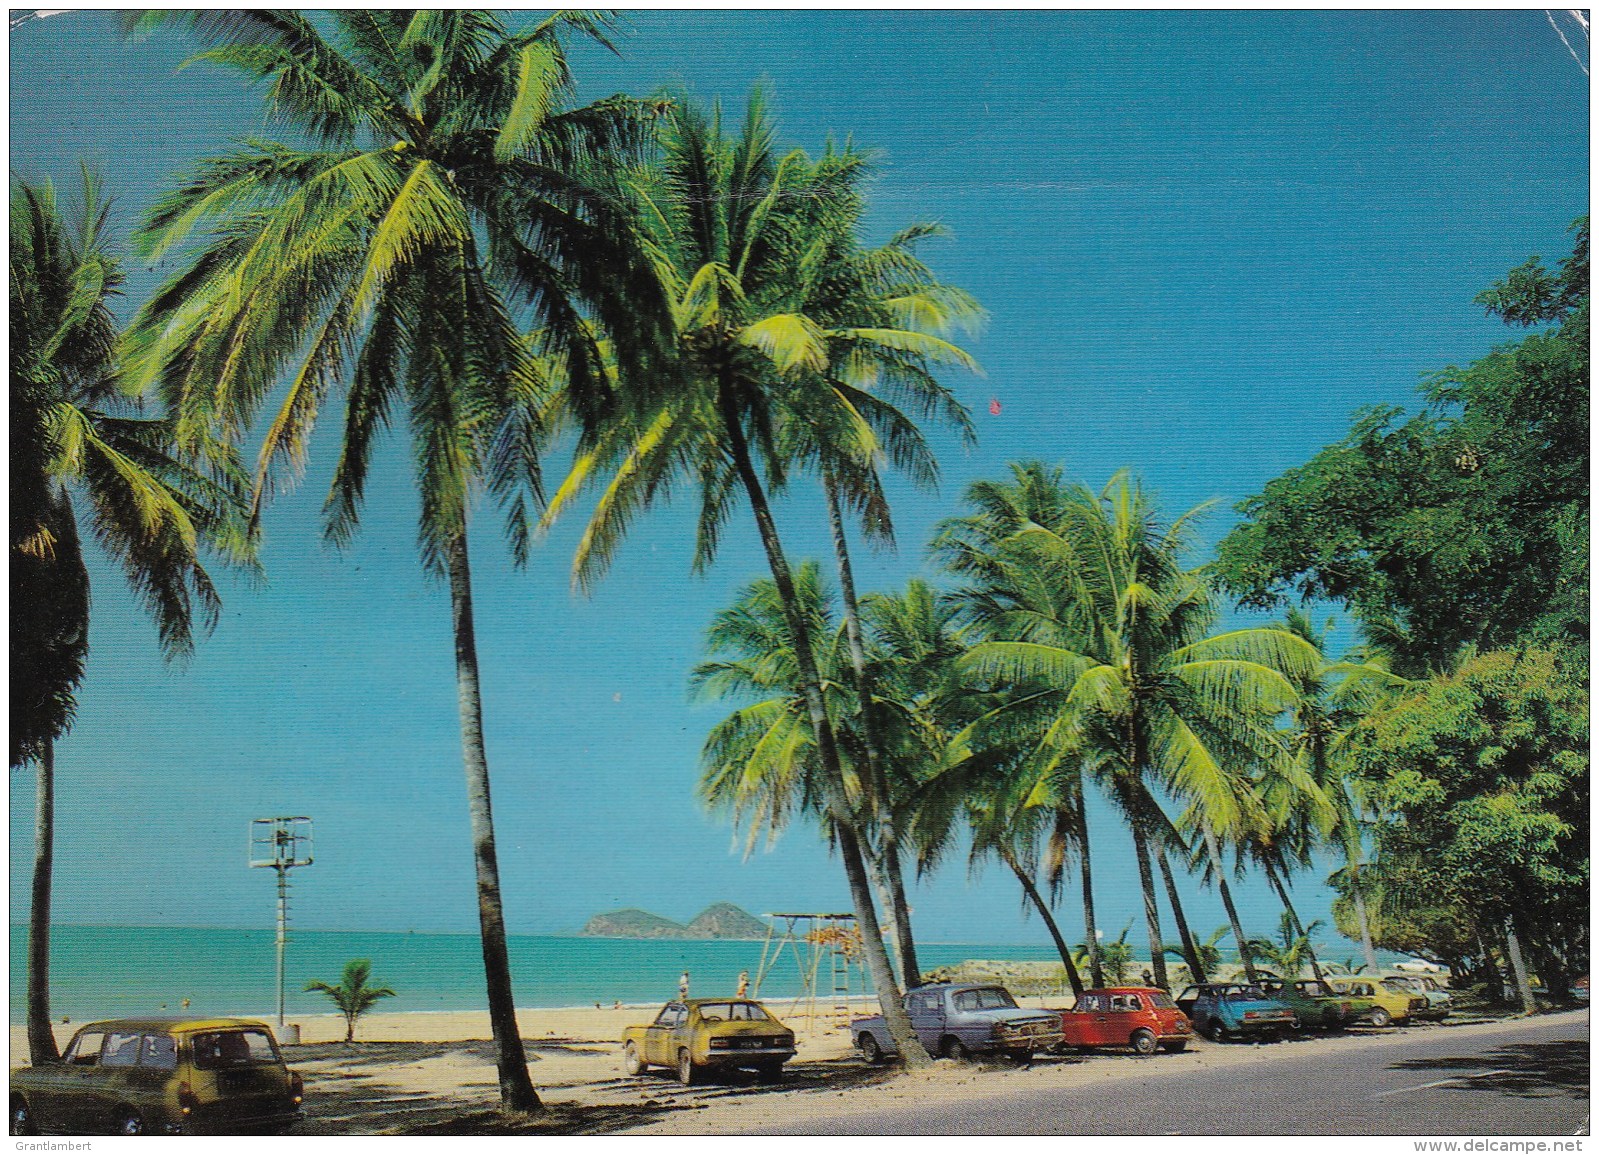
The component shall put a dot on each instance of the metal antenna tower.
(282, 844)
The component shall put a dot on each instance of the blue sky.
(1204, 240)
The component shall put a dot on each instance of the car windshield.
(735, 1012)
(983, 999)
(246, 1048)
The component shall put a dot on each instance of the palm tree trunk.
(844, 823)
(1293, 917)
(1529, 1005)
(516, 1087)
(888, 855)
(1031, 890)
(41, 1038)
(1366, 946)
(1213, 850)
(1096, 966)
(1190, 951)
(1146, 879)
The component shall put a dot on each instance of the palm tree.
(1290, 951)
(1094, 613)
(972, 547)
(439, 203)
(875, 289)
(75, 435)
(352, 996)
(1117, 956)
(730, 228)
(760, 762)
(1207, 952)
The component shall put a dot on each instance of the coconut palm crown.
(438, 211)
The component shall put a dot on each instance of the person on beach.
(682, 986)
(743, 983)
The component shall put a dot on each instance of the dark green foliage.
(1482, 781)
(1465, 524)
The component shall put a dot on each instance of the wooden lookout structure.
(826, 951)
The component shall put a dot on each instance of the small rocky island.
(719, 920)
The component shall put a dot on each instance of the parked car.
(695, 1036)
(160, 1076)
(960, 1019)
(1314, 1003)
(1439, 1001)
(1234, 1010)
(1143, 1018)
(1579, 989)
(1388, 1006)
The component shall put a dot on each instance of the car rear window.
(736, 1012)
(1243, 994)
(1161, 999)
(214, 1049)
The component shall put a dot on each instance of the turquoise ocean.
(113, 971)
(106, 971)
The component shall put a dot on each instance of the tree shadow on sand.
(348, 1094)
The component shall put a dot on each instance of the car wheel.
(953, 1048)
(631, 1063)
(21, 1117)
(870, 1051)
(1214, 1031)
(1381, 1018)
(1144, 1042)
(130, 1123)
(1176, 1048)
(687, 1072)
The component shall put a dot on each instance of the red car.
(1142, 1018)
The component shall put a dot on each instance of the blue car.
(1235, 1011)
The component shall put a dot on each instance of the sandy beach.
(433, 1073)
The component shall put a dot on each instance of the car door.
(1096, 1032)
(658, 1036)
(927, 1016)
(114, 1089)
(69, 1098)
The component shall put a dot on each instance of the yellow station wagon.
(1388, 1006)
(160, 1076)
(693, 1036)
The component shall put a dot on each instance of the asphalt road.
(1529, 1078)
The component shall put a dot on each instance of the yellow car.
(694, 1036)
(1388, 1006)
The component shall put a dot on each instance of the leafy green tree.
(78, 446)
(353, 996)
(1464, 524)
(436, 206)
(1481, 777)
